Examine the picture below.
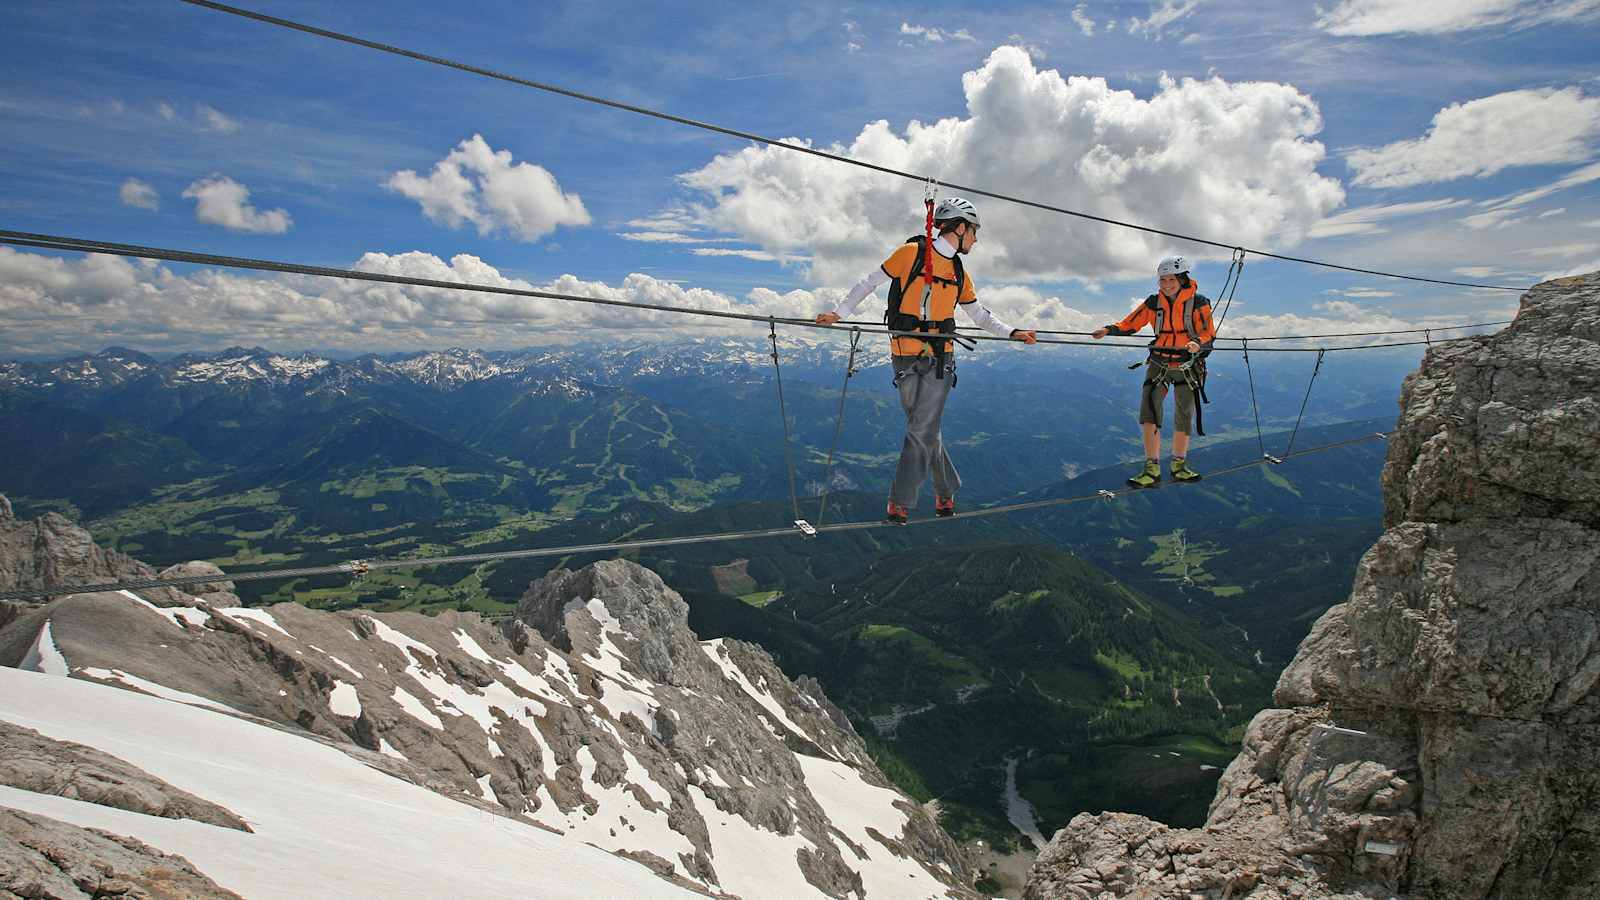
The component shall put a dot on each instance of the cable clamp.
(1109, 495)
(806, 528)
(1272, 459)
(930, 191)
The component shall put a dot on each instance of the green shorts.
(1153, 395)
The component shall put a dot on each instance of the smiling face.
(1169, 285)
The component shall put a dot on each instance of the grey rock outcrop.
(47, 859)
(1440, 730)
(51, 550)
(217, 593)
(32, 762)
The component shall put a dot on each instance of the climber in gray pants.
(922, 396)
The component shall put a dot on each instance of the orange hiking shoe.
(898, 514)
(944, 507)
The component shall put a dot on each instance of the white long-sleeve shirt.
(980, 315)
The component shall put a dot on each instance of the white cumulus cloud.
(219, 200)
(1365, 18)
(485, 187)
(1481, 137)
(1233, 162)
(137, 193)
(64, 305)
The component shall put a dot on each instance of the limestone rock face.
(1439, 734)
(51, 550)
(45, 858)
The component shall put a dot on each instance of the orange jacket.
(1179, 320)
(942, 300)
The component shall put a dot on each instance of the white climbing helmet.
(1172, 265)
(956, 208)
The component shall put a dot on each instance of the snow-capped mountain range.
(443, 370)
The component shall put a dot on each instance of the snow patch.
(156, 690)
(416, 709)
(854, 805)
(259, 616)
(403, 641)
(342, 664)
(44, 656)
(744, 856)
(718, 654)
(470, 647)
(177, 615)
(620, 822)
(387, 750)
(343, 700)
(485, 791)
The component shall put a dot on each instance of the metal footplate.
(1277, 461)
(1109, 495)
(805, 527)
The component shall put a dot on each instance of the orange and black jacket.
(1185, 317)
(949, 291)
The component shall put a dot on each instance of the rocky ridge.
(43, 858)
(32, 762)
(595, 712)
(1439, 732)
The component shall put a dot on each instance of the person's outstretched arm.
(984, 318)
(1141, 316)
(868, 283)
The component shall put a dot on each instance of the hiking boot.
(897, 514)
(1181, 470)
(1149, 476)
(944, 507)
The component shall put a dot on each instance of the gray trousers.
(922, 396)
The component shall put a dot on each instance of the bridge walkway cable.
(361, 566)
(799, 148)
(87, 245)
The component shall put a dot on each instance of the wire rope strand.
(798, 148)
(1303, 402)
(788, 462)
(838, 424)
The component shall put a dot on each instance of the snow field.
(326, 825)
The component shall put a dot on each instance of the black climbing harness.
(1191, 373)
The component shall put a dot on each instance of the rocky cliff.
(1439, 733)
(595, 712)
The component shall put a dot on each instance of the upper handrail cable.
(772, 142)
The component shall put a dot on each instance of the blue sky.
(1458, 141)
